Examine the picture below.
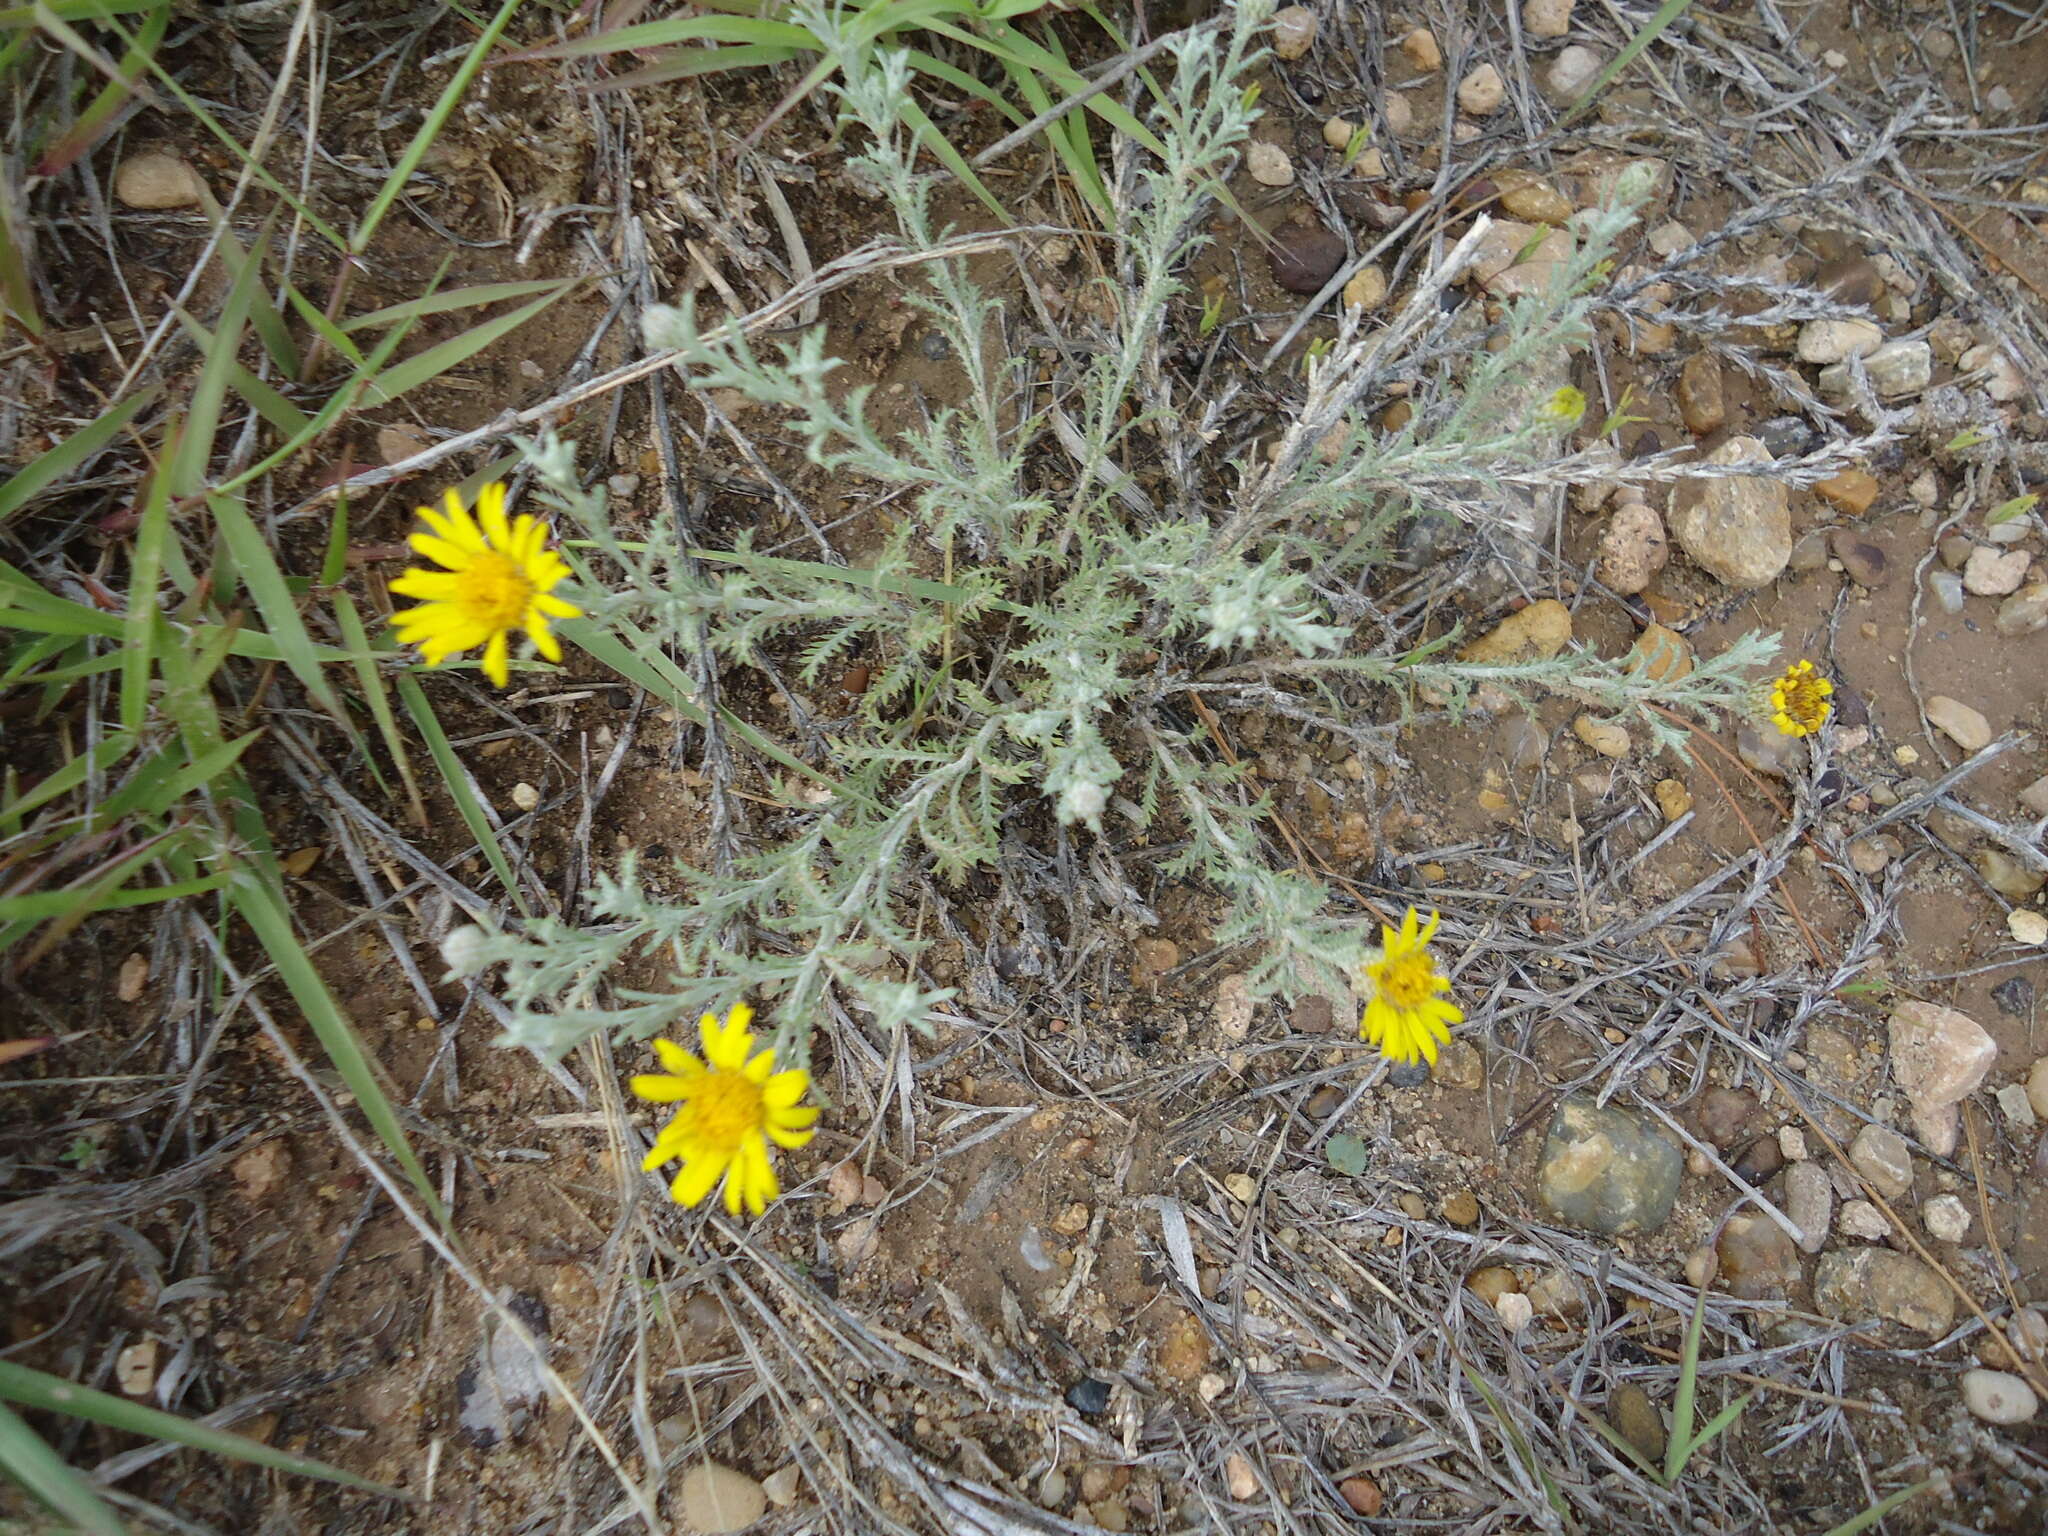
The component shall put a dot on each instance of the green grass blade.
(1679, 1445)
(754, 31)
(429, 129)
(274, 599)
(1614, 1438)
(53, 1394)
(1653, 29)
(13, 16)
(46, 469)
(474, 297)
(145, 571)
(371, 682)
(30, 1462)
(687, 63)
(1856, 1524)
(1716, 1424)
(106, 752)
(456, 350)
(467, 806)
(40, 906)
(264, 910)
(194, 449)
(167, 778)
(97, 118)
(17, 281)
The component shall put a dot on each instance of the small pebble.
(717, 1500)
(1491, 1283)
(1863, 1221)
(1603, 736)
(1421, 48)
(1573, 71)
(1362, 1494)
(1481, 93)
(1882, 1156)
(1947, 588)
(1462, 1209)
(1963, 725)
(1995, 572)
(1997, 1397)
(156, 181)
(1294, 31)
(1637, 1420)
(1366, 289)
(1810, 1203)
(1946, 1218)
(1673, 798)
(1088, 1395)
(2027, 926)
(1268, 164)
(1240, 1477)
(1830, 341)
(2025, 612)
(1547, 18)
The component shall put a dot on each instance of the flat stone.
(2002, 378)
(1830, 341)
(1895, 370)
(1738, 528)
(1862, 1221)
(1304, 257)
(1998, 1397)
(1755, 1260)
(2037, 1087)
(156, 181)
(1959, 722)
(1865, 563)
(717, 1500)
(1810, 1202)
(1603, 736)
(1851, 491)
(1702, 400)
(2007, 875)
(1633, 549)
(1607, 1170)
(1536, 632)
(1637, 1421)
(1882, 1156)
(1858, 1284)
(1938, 1056)
(1268, 164)
(1529, 197)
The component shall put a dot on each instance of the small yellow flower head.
(734, 1103)
(1799, 700)
(497, 576)
(1404, 1017)
(1565, 408)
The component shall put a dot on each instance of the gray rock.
(1946, 1218)
(2025, 612)
(497, 1393)
(1998, 1397)
(1947, 588)
(1755, 1259)
(1995, 572)
(1770, 751)
(1607, 1170)
(1896, 369)
(1724, 1113)
(1633, 549)
(1810, 1202)
(1785, 436)
(1938, 1055)
(1882, 1157)
(1863, 1221)
(1736, 527)
(1855, 1285)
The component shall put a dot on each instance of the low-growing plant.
(1077, 582)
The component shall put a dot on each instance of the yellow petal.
(735, 1191)
(762, 1185)
(788, 1136)
(697, 1179)
(677, 1060)
(554, 607)
(458, 531)
(496, 667)
(785, 1088)
(462, 528)
(659, 1088)
(490, 515)
(434, 586)
(543, 638)
(759, 1068)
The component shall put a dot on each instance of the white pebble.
(1997, 1397)
(2027, 926)
(525, 796)
(1547, 18)
(1947, 1218)
(1515, 1310)
(1573, 70)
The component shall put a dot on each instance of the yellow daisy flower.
(1404, 1017)
(734, 1103)
(1799, 700)
(497, 576)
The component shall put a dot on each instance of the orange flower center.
(1406, 981)
(725, 1108)
(495, 592)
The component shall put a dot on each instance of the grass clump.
(1079, 578)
